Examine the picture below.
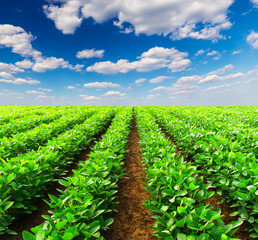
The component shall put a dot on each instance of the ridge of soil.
(215, 200)
(132, 221)
(28, 221)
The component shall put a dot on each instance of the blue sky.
(128, 52)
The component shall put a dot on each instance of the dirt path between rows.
(132, 221)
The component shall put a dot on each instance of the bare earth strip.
(132, 221)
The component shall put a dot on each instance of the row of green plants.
(81, 211)
(236, 128)
(179, 193)
(28, 122)
(9, 113)
(39, 136)
(234, 173)
(24, 179)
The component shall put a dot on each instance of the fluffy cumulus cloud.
(35, 92)
(19, 81)
(252, 39)
(90, 53)
(159, 79)
(200, 52)
(89, 98)
(176, 18)
(192, 83)
(138, 82)
(114, 94)
(6, 75)
(10, 68)
(154, 58)
(24, 64)
(70, 87)
(161, 89)
(222, 70)
(255, 2)
(45, 89)
(19, 41)
(101, 85)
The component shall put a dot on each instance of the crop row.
(39, 136)
(179, 194)
(81, 210)
(10, 113)
(27, 122)
(23, 179)
(234, 173)
(232, 128)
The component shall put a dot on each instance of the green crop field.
(62, 168)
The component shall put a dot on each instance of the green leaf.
(68, 236)
(40, 235)
(242, 195)
(61, 224)
(70, 217)
(181, 236)
(28, 236)
(8, 205)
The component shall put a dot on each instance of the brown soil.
(132, 221)
(215, 199)
(28, 221)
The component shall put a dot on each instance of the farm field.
(88, 172)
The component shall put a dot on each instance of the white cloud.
(44, 64)
(154, 58)
(159, 79)
(91, 98)
(183, 92)
(45, 89)
(161, 89)
(222, 70)
(114, 94)
(252, 39)
(101, 85)
(221, 86)
(6, 75)
(212, 53)
(151, 96)
(140, 81)
(90, 53)
(178, 18)
(17, 39)
(35, 92)
(236, 52)
(70, 87)
(253, 80)
(10, 68)
(24, 64)
(20, 42)
(255, 2)
(216, 58)
(19, 81)
(214, 77)
(200, 52)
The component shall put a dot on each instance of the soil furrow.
(132, 221)
(28, 221)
